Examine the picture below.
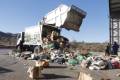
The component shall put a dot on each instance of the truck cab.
(20, 37)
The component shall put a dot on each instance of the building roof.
(114, 8)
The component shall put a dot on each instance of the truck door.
(20, 37)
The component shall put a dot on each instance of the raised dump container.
(69, 17)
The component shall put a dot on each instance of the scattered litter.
(118, 75)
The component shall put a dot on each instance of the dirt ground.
(16, 69)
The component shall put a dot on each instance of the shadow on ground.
(54, 76)
(57, 67)
(4, 70)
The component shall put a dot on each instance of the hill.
(97, 47)
(7, 39)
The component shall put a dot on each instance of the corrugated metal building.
(114, 12)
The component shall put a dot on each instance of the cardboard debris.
(34, 72)
(43, 63)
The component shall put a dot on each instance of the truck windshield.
(18, 36)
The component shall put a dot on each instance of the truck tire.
(37, 49)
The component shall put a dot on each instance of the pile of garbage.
(84, 58)
(101, 62)
(94, 62)
(75, 59)
(56, 49)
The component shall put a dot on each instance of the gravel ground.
(16, 69)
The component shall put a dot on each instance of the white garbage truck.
(68, 17)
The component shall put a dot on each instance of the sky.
(15, 15)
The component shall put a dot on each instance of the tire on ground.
(37, 49)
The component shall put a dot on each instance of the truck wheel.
(37, 49)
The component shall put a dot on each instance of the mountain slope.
(7, 39)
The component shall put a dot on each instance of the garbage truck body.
(68, 17)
